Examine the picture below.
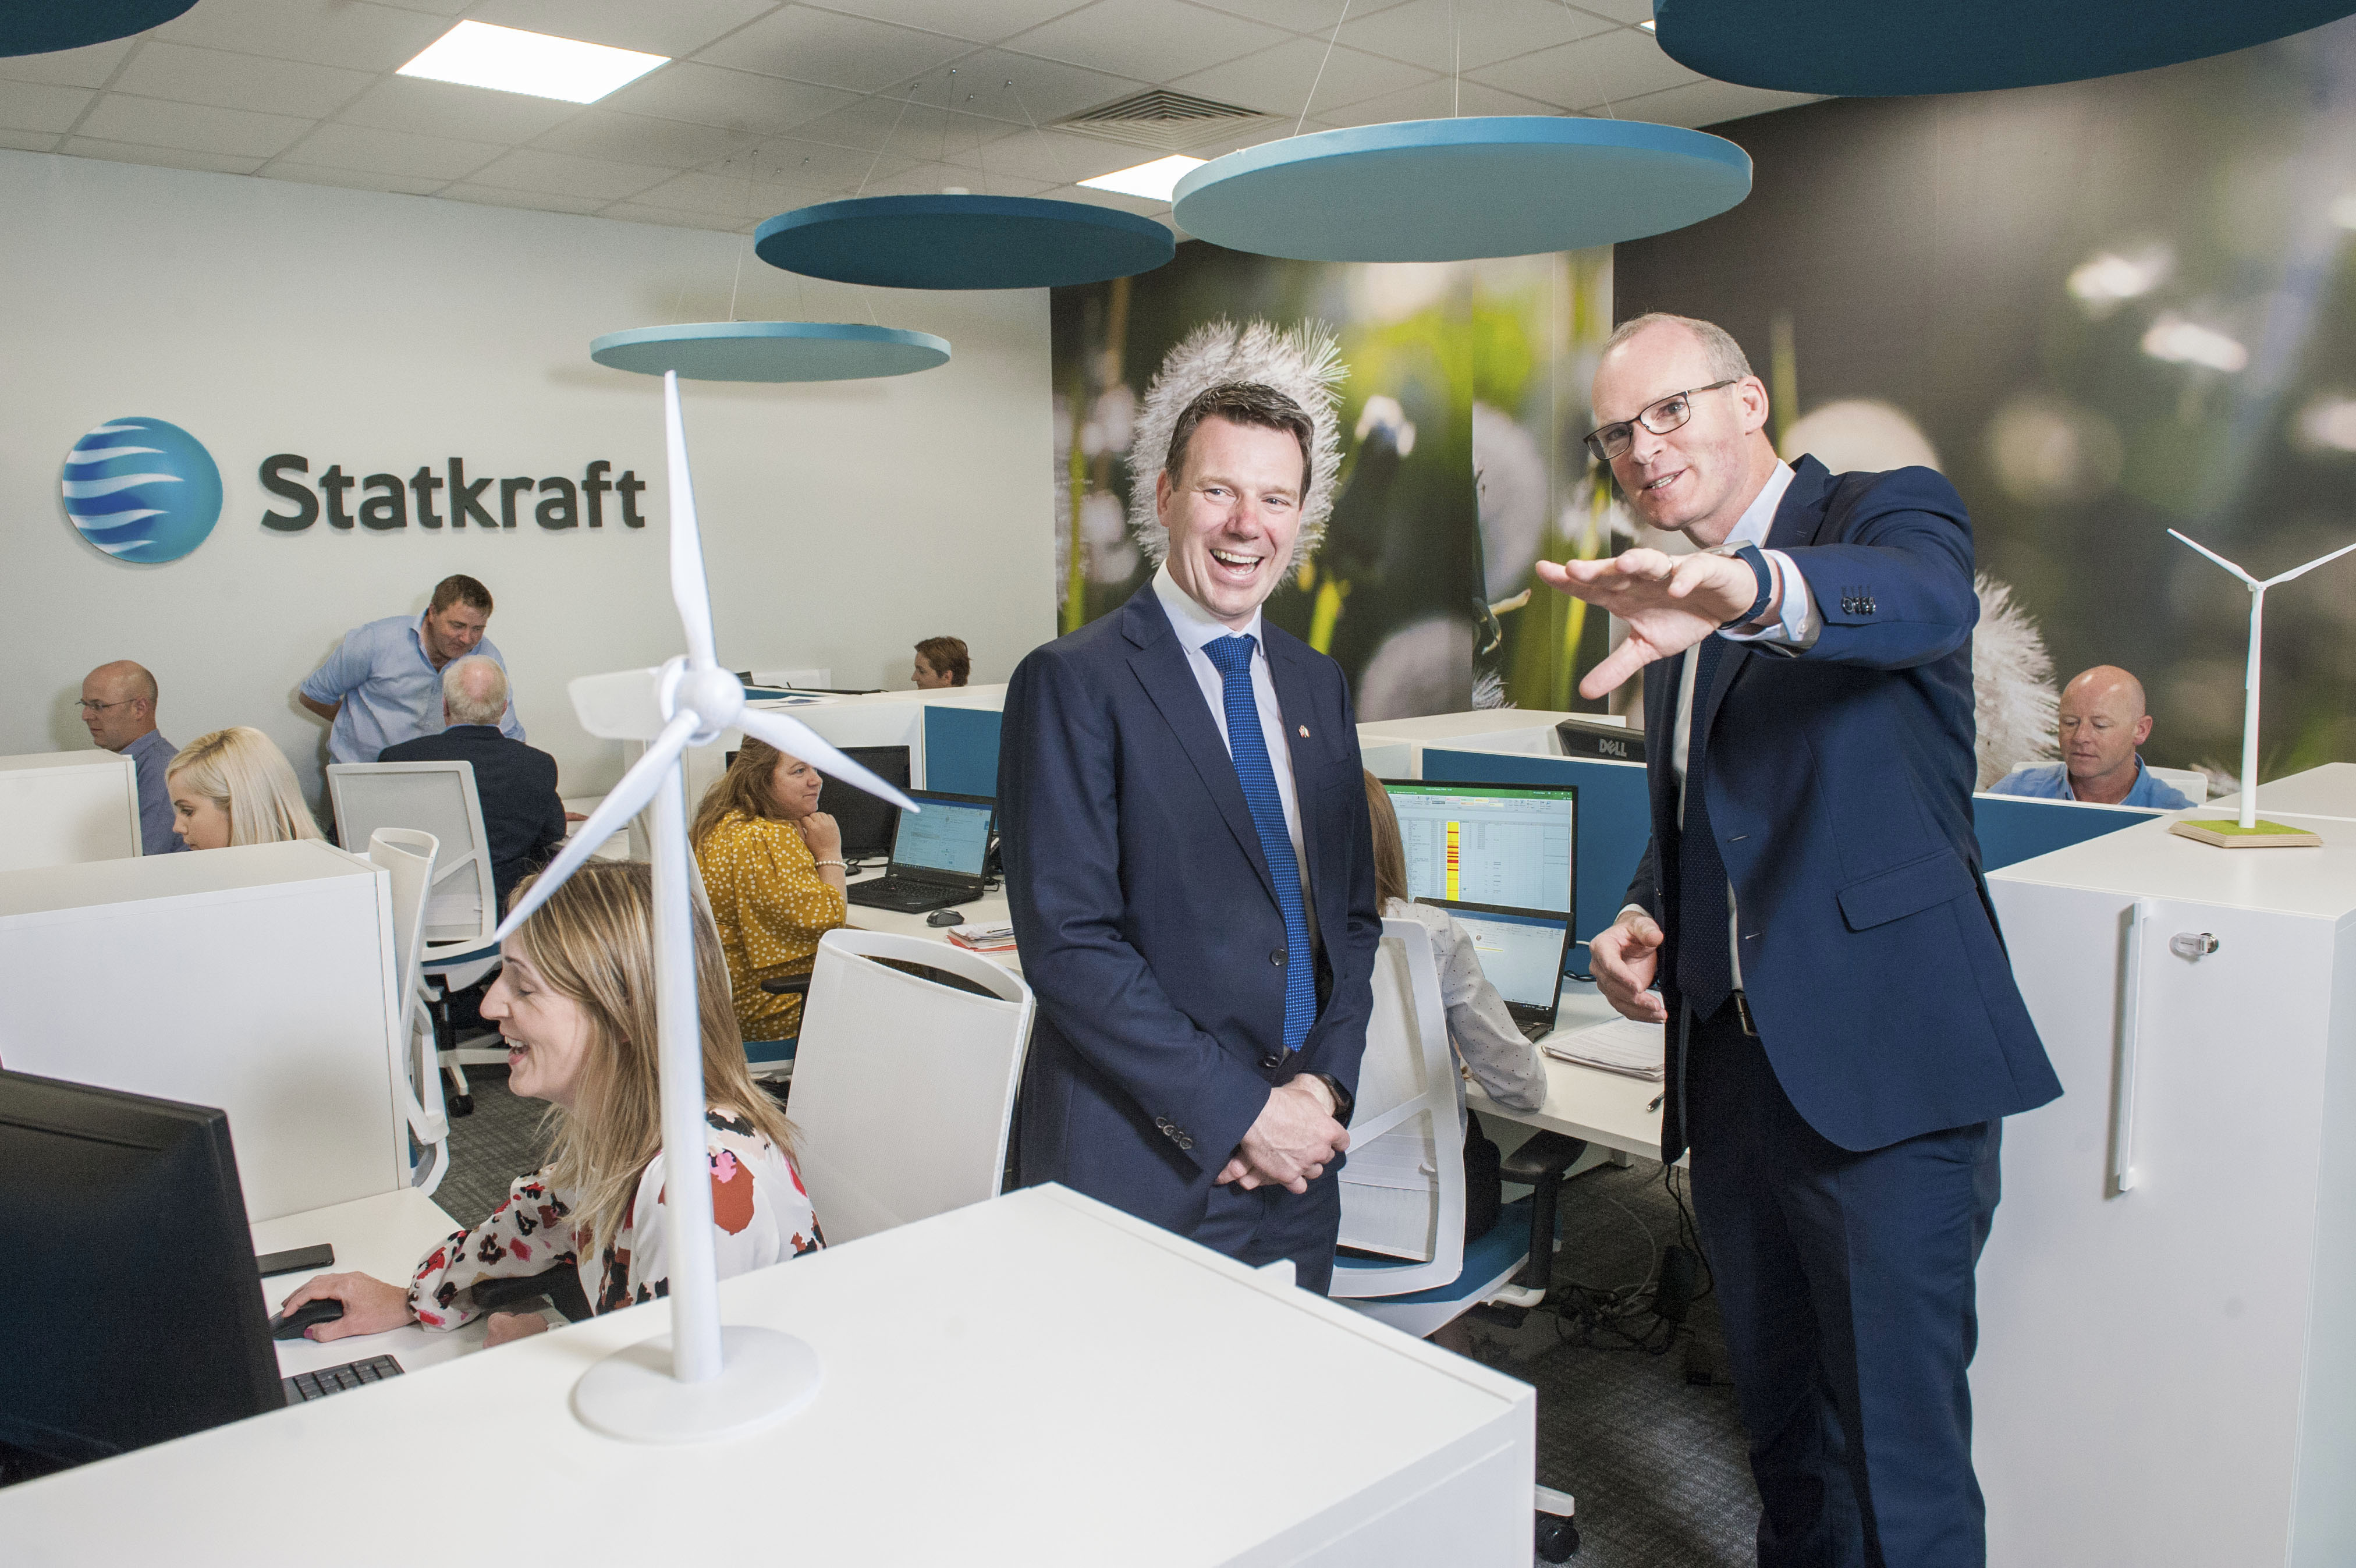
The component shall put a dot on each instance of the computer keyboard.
(908, 897)
(328, 1380)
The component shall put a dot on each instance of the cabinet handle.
(2192, 944)
(2141, 914)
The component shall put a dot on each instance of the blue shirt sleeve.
(509, 726)
(344, 670)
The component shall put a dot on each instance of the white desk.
(989, 909)
(1065, 1388)
(1609, 1110)
(614, 848)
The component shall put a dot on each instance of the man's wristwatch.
(1344, 1103)
(1749, 554)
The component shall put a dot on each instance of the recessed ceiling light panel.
(1154, 181)
(476, 54)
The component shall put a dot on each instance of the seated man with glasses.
(118, 705)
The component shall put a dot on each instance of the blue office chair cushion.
(1504, 1248)
(768, 1053)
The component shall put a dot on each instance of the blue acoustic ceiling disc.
(43, 27)
(1453, 191)
(771, 351)
(1870, 48)
(962, 241)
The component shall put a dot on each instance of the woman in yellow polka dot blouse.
(771, 863)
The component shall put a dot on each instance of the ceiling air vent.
(1161, 119)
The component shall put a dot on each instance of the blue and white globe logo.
(142, 489)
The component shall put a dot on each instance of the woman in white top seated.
(575, 1002)
(1486, 1040)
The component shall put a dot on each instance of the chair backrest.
(437, 798)
(903, 1087)
(408, 855)
(2190, 782)
(1403, 1186)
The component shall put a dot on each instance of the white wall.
(841, 521)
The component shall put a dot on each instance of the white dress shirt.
(1197, 629)
(1797, 625)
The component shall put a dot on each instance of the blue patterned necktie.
(1232, 656)
(1705, 968)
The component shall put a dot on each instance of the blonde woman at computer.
(772, 865)
(234, 787)
(576, 1003)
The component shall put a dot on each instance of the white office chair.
(1403, 1186)
(2189, 782)
(408, 857)
(904, 1087)
(462, 910)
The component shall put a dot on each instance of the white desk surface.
(1036, 1381)
(989, 909)
(1608, 1108)
(614, 848)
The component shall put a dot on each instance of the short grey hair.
(475, 689)
(1727, 360)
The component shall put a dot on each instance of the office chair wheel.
(1557, 1539)
(459, 1105)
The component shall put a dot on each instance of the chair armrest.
(787, 985)
(1545, 1154)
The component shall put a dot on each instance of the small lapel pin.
(1304, 731)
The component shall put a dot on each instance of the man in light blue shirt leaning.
(383, 685)
(2103, 721)
(118, 707)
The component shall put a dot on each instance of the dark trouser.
(1268, 1223)
(1845, 1281)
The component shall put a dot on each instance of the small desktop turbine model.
(715, 1382)
(2249, 832)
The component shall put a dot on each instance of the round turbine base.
(764, 1378)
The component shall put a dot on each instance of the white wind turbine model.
(2249, 832)
(719, 1382)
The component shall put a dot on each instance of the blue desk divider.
(2017, 827)
(1615, 820)
(961, 751)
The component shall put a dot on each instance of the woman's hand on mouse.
(370, 1305)
(507, 1327)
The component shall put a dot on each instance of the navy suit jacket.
(1147, 921)
(522, 817)
(1839, 781)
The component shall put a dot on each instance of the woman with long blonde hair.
(575, 1002)
(772, 865)
(235, 787)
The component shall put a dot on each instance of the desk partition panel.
(961, 750)
(2014, 828)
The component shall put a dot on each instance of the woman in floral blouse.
(772, 865)
(575, 1004)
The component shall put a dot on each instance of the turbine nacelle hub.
(712, 695)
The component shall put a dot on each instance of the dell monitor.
(1488, 843)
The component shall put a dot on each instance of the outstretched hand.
(1670, 603)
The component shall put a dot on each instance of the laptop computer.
(1523, 952)
(938, 854)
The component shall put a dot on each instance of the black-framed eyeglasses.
(1610, 440)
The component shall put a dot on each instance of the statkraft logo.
(142, 489)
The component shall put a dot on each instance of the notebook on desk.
(938, 854)
(1522, 952)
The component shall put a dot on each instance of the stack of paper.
(997, 938)
(1621, 1045)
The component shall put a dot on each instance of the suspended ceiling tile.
(718, 196)
(812, 165)
(669, 218)
(541, 200)
(669, 28)
(733, 100)
(641, 139)
(1627, 13)
(1315, 17)
(157, 157)
(931, 179)
(1610, 66)
(30, 141)
(41, 106)
(353, 34)
(448, 109)
(1060, 159)
(88, 67)
(1151, 40)
(1041, 91)
(1440, 98)
(561, 174)
(960, 19)
(198, 127)
(393, 152)
(851, 52)
(1435, 33)
(1277, 80)
(348, 180)
(903, 128)
(227, 81)
(1705, 102)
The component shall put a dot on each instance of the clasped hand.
(1670, 603)
(1290, 1144)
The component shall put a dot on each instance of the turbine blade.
(796, 738)
(2220, 560)
(688, 588)
(613, 814)
(2302, 571)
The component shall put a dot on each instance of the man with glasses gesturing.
(1810, 924)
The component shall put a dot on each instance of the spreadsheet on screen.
(1488, 846)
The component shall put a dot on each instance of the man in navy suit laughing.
(1845, 1038)
(1189, 866)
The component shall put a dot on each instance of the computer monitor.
(950, 836)
(1488, 843)
(132, 1311)
(867, 823)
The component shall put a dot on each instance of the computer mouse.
(290, 1325)
(945, 917)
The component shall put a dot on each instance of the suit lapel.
(1158, 659)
